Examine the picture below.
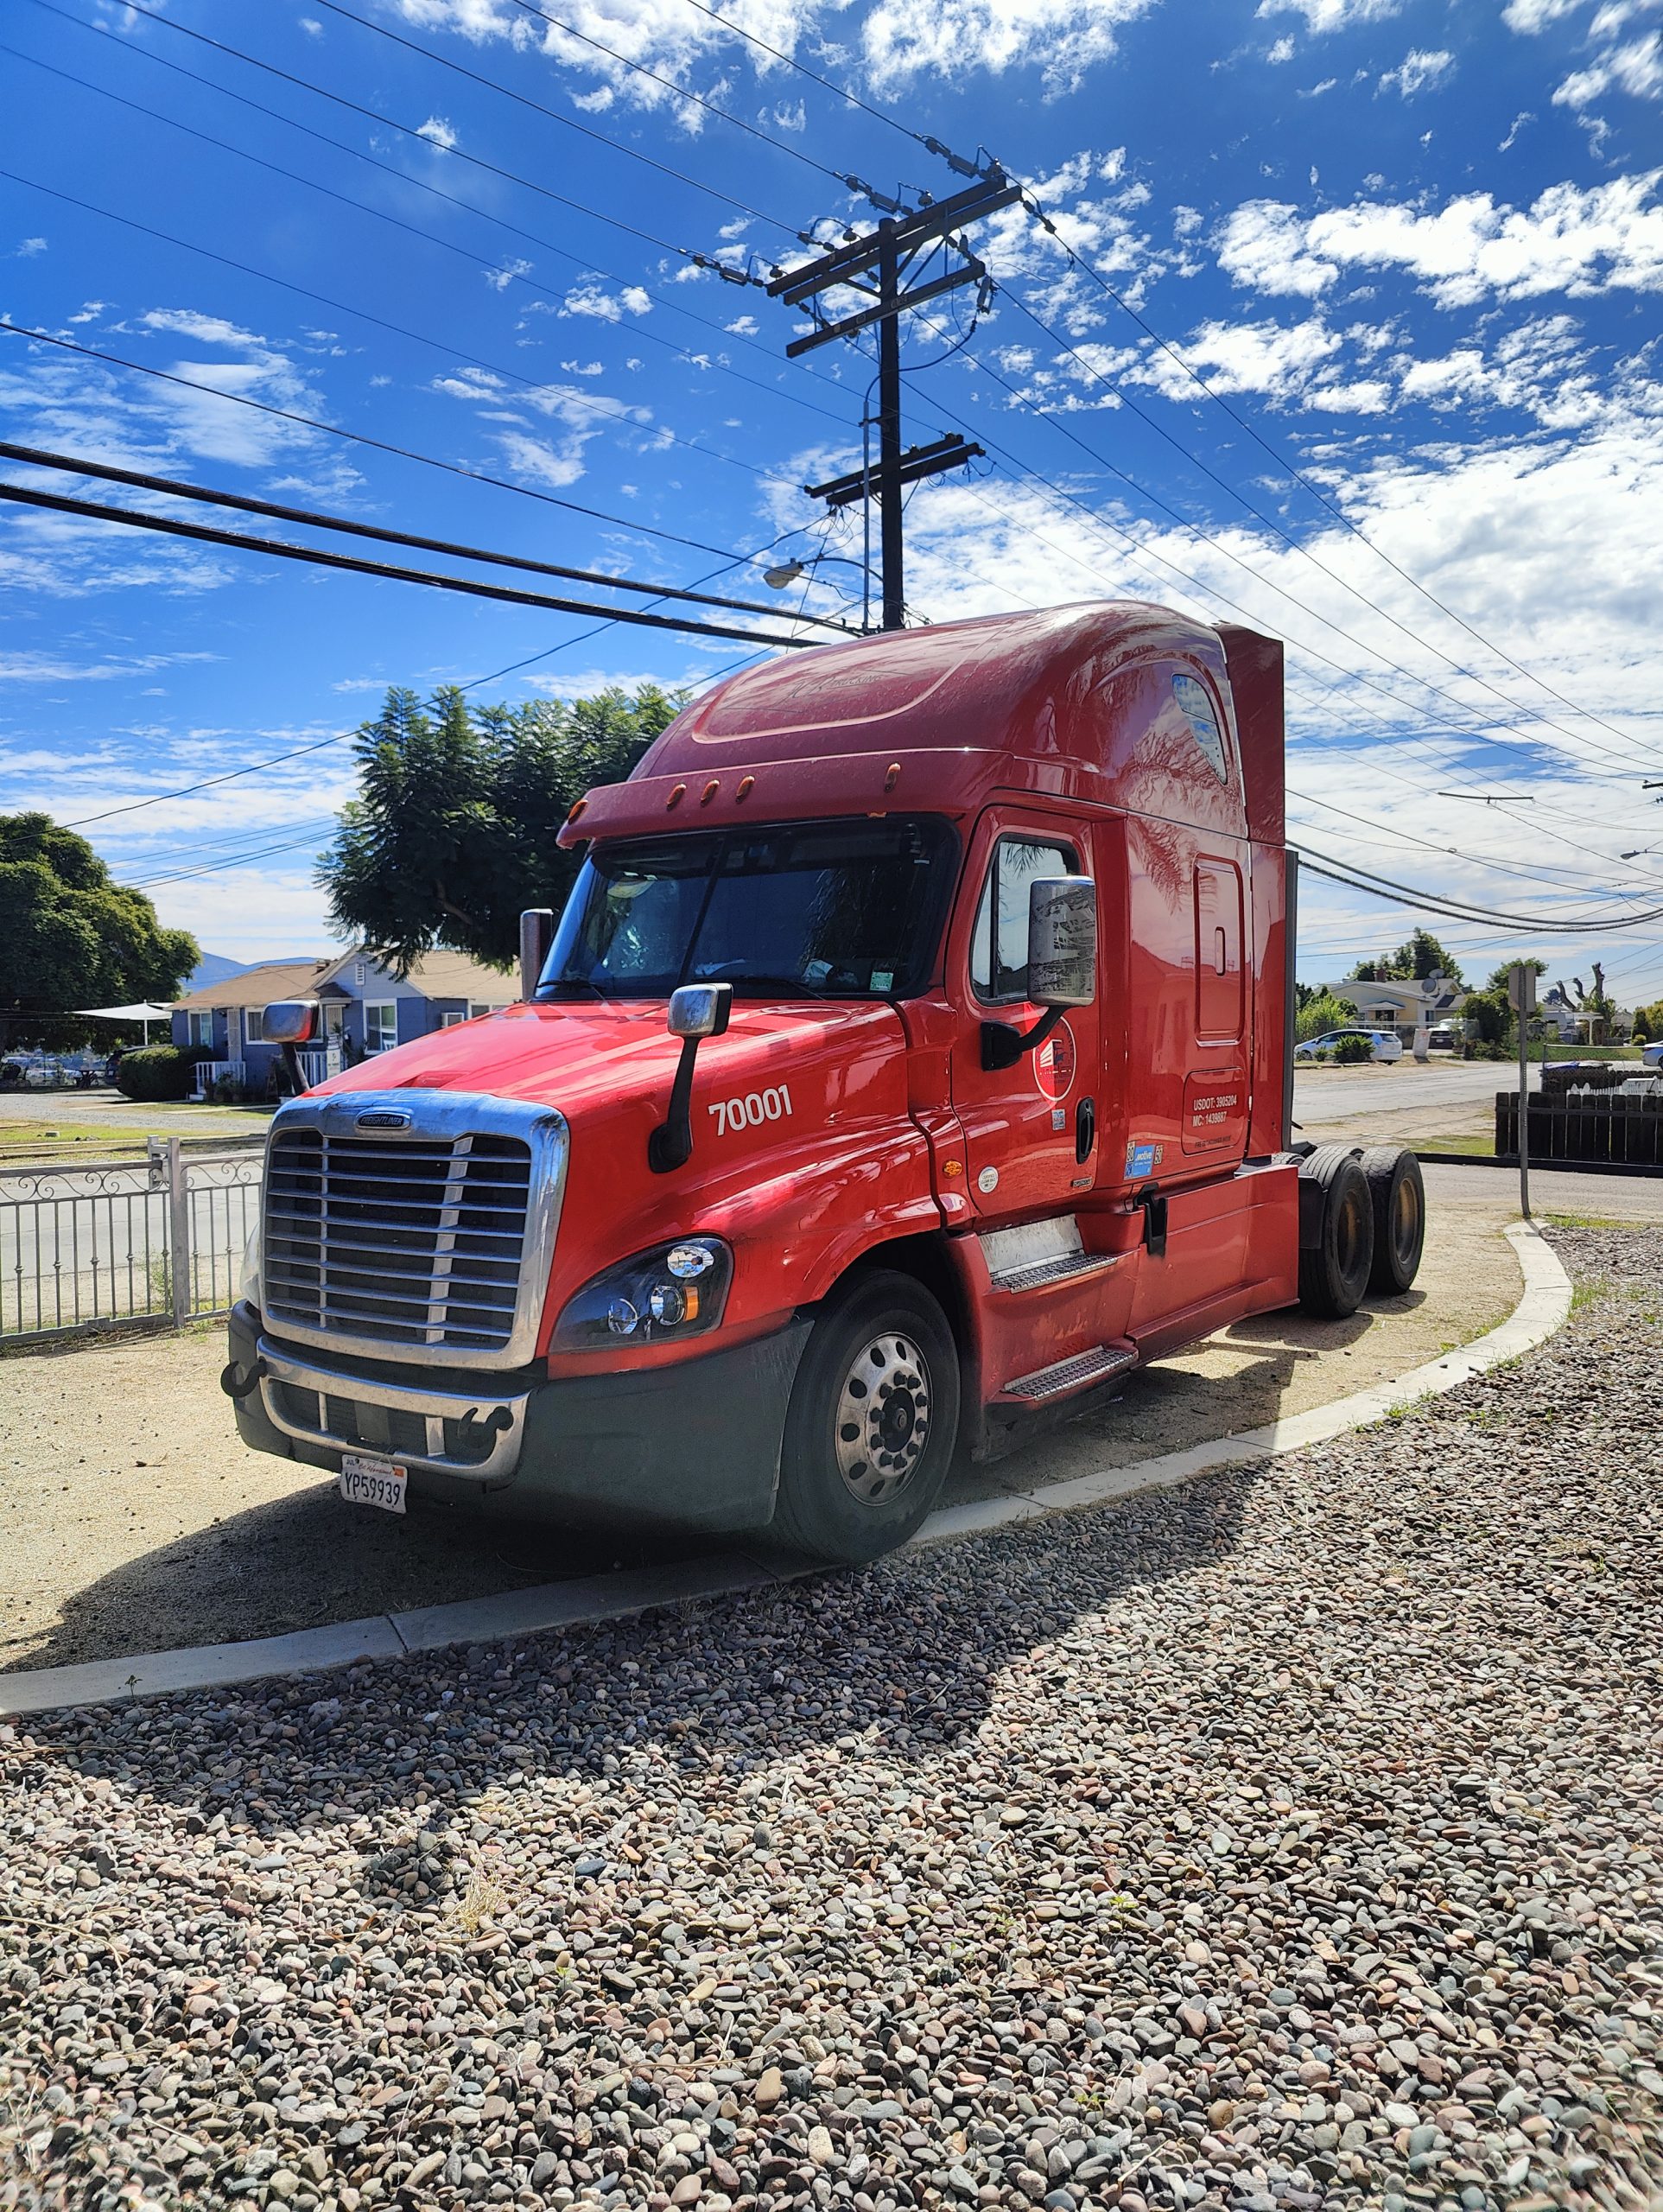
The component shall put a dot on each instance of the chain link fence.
(157, 1240)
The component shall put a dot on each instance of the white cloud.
(1603, 239)
(900, 40)
(1282, 50)
(438, 132)
(1637, 69)
(905, 39)
(56, 668)
(1419, 72)
(1332, 15)
(28, 247)
(311, 26)
(500, 279)
(1533, 16)
(745, 327)
(591, 298)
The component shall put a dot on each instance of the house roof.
(439, 975)
(273, 979)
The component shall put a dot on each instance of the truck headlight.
(671, 1292)
(248, 1283)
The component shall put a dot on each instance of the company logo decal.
(386, 1117)
(1053, 1064)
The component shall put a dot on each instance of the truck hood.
(579, 1056)
(804, 1146)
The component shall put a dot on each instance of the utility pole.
(879, 266)
(1522, 991)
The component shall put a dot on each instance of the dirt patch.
(133, 1519)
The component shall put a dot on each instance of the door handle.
(1085, 1130)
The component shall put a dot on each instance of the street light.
(1640, 852)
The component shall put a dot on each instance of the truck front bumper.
(695, 1446)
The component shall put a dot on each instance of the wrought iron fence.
(157, 1239)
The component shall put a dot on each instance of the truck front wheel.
(872, 1422)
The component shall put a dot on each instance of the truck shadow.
(896, 1661)
(304, 1560)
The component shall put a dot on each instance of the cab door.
(1030, 1131)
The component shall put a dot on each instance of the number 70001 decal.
(751, 1111)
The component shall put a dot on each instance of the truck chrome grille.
(424, 1244)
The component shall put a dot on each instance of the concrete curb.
(1540, 1310)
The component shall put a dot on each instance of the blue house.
(367, 1009)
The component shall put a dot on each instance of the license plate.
(373, 1482)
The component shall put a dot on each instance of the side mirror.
(291, 1021)
(697, 1011)
(1062, 965)
(536, 935)
(1063, 941)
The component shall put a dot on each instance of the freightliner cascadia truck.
(912, 1061)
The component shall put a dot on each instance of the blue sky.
(1413, 247)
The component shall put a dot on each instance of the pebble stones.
(1288, 1840)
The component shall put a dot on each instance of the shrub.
(157, 1072)
(1350, 1049)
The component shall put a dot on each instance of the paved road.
(1339, 1094)
(1595, 1198)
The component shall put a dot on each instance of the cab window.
(998, 943)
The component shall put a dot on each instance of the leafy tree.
(1420, 956)
(1648, 1022)
(71, 936)
(1320, 1011)
(454, 827)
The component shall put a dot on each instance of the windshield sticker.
(1203, 723)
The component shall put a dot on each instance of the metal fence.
(157, 1239)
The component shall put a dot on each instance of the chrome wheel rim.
(882, 1423)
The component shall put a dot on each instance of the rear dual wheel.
(873, 1423)
(1373, 1228)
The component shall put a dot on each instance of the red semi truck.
(912, 1059)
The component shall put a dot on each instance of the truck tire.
(1334, 1272)
(1399, 1202)
(873, 1423)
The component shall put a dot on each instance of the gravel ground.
(1292, 1838)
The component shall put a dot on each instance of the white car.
(1652, 1055)
(1385, 1043)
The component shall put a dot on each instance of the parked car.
(1652, 1055)
(1386, 1044)
(1442, 1040)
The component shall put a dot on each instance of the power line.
(341, 307)
(1110, 383)
(1033, 207)
(1078, 261)
(696, 99)
(361, 437)
(523, 100)
(282, 550)
(1298, 476)
(1387, 887)
(172, 488)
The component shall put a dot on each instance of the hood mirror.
(536, 937)
(697, 1011)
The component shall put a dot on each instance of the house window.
(478, 1008)
(360, 973)
(381, 1026)
(254, 1025)
(201, 1031)
(449, 1019)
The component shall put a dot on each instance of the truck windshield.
(822, 909)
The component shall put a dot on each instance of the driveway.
(132, 1519)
